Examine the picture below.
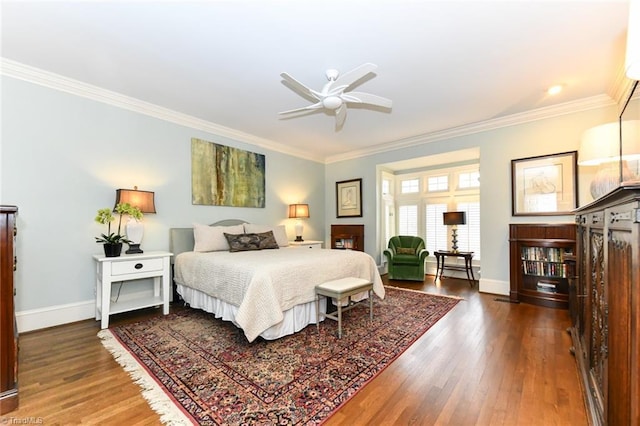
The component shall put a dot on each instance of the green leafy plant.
(105, 217)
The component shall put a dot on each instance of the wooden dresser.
(606, 322)
(8, 328)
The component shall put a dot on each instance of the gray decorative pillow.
(268, 240)
(246, 242)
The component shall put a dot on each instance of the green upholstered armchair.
(405, 258)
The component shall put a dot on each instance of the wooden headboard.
(181, 239)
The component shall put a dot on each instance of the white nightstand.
(306, 244)
(155, 264)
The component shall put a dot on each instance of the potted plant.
(112, 242)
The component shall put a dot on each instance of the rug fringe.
(424, 292)
(158, 400)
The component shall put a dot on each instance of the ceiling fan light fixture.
(332, 102)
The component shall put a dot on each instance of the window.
(469, 180)
(386, 186)
(410, 186)
(422, 197)
(469, 234)
(408, 220)
(436, 231)
(438, 183)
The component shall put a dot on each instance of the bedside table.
(306, 244)
(129, 267)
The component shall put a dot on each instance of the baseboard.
(494, 287)
(50, 316)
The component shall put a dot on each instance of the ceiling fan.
(333, 97)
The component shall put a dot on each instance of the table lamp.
(144, 200)
(299, 212)
(454, 219)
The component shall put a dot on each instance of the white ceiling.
(444, 64)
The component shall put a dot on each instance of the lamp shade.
(601, 144)
(144, 200)
(454, 218)
(298, 211)
(632, 60)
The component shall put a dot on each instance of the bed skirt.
(295, 319)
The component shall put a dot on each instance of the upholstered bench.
(340, 290)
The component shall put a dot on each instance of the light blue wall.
(497, 149)
(64, 156)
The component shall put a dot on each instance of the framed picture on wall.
(349, 198)
(546, 185)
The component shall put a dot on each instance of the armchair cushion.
(406, 250)
(405, 257)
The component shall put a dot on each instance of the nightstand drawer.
(133, 266)
(309, 244)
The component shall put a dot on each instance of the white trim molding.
(36, 319)
(54, 81)
(494, 287)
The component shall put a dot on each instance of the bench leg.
(339, 319)
(318, 313)
(370, 306)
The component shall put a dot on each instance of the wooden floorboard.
(487, 362)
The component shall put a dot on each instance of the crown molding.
(620, 89)
(20, 71)
(584, 104)
(58, 82)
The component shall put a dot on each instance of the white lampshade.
(601, 144)
(632, 62)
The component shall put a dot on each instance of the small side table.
(306, 244)
(441, 255)
(129, 267)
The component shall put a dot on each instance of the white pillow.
(279, 232)
(211, 238)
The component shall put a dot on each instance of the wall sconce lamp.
(601, 146)
(454, 219)
(144, 200)
(299, 212)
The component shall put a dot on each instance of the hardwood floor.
(485, 363)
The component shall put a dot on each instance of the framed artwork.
(546, 185)
(226, 176)
(349, 198)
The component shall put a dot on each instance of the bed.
(268, 293)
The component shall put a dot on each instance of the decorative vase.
(112, 250)
(135, 230)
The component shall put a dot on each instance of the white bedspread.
(263, 284)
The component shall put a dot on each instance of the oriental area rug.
(196, 369)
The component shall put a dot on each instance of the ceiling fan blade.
(341, 115)
(317, 105)
(347, 79)
(366, 98)
(300, 88)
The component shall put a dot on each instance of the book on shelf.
(546, 287)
